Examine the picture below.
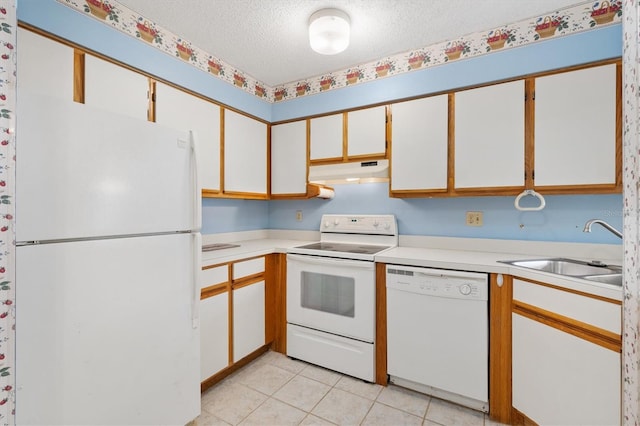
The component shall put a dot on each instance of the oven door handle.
(315, 260)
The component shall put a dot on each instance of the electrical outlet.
(299, 215)
(474, 219)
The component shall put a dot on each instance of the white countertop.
(249, 248)
(477, 261)
(465, 260)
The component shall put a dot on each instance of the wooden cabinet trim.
(451, 145)
(529, 132)
(588, 332)
(276, 302)
(519, 419)
(500, 347)
(345, 133)
(78, 76)
(222, 110)
(569, 290)
(151, 95)
(248, 280)
(619, 126)
(240, 195)
(381, 324)
(214, 290)
(268, 160)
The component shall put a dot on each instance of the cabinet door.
(44, 66)
(326, 137)
(177, 109)
(214, 335)
(366, 132)
(289, 158)
(489, 136)
(245, 154)
(561, 379)
(568, 373)
(114, 88)
(575, 127)
(248, 319)
(419, 144)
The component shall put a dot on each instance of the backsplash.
(562, 220)
(579, 18)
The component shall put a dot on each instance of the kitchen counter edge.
(474, 261)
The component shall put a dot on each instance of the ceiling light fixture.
(329, 31)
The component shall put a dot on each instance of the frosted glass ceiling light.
(329, 31)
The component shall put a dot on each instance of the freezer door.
(105, 333)
(85, 172)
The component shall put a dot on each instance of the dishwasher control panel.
(438, 282)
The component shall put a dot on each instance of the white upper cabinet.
(114, 88)
(419, 144)
(289, 158)
(245, 154)
(326, 137)
(366, 132)
(489, 136)
(575, 127)
(177, 109)
(44, 66)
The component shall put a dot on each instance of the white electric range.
(331, 293)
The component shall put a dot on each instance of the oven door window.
(328, 293)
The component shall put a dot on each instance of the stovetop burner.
(345, 247)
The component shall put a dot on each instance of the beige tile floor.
(276, 390)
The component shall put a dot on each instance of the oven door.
(332, 295)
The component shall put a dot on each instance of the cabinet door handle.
(533, 193)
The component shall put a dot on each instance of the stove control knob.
(387, 225)
(326, 224)
(376, 223)
(336, 222)
(465, 289)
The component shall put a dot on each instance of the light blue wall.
(229, 215)
(562, 219)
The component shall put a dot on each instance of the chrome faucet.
(614, 231)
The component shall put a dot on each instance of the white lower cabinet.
(248, 319)
(231, 329)
(559, 378)
(214, 335)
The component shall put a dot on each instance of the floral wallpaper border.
(559, 23)
(8, 24)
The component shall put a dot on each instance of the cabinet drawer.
(600, 313)
(213, 276)
(248, 267)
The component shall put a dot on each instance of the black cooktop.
(344, 247)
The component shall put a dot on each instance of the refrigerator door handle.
(197, 191)
(195, 284)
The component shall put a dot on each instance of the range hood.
(367, 171)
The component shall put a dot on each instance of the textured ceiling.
(268, 40)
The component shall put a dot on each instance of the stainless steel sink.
(615, 279)
(593, 271)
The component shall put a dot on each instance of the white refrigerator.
(108, 255)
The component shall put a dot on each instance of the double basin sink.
(592, 271)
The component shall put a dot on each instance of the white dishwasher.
(437, 333)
